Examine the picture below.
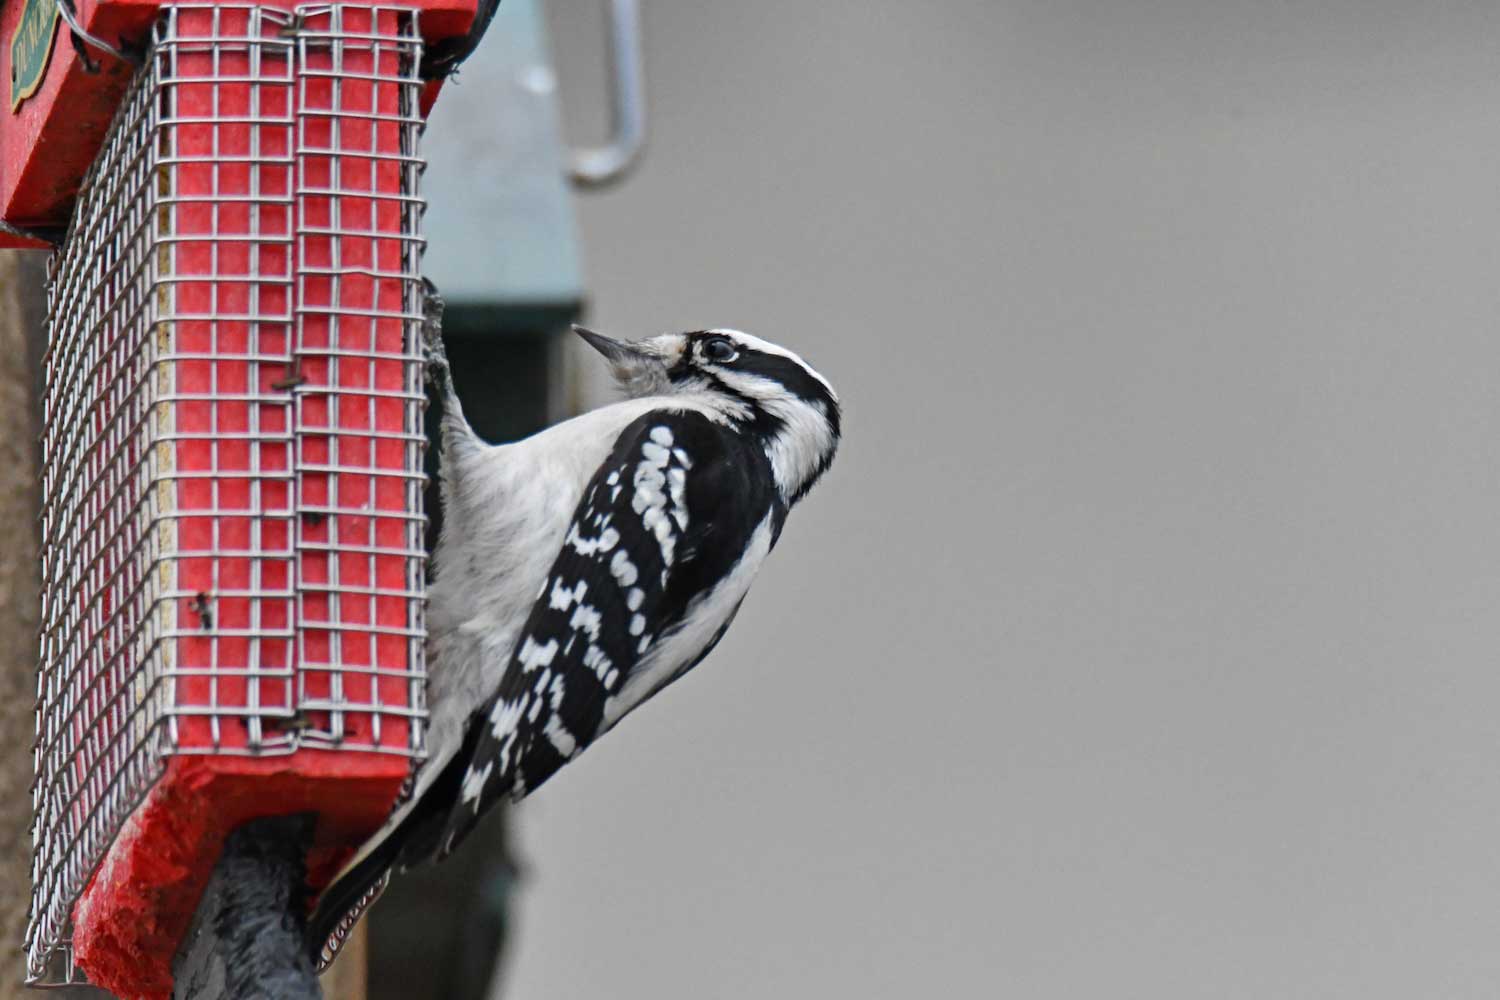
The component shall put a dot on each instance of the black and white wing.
(661, 525)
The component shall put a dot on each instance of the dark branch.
(245, 942)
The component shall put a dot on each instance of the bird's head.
(762, 387)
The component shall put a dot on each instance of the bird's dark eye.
(719, 349)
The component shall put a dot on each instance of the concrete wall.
(22, 309)
(1142, 642)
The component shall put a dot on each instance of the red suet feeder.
(233, 564)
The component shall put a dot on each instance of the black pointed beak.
(617, 351)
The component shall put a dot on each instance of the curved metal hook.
(601, 165)
(65, 8)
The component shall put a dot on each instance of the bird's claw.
(433, 352)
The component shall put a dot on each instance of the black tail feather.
(415, 839)
(341, 898)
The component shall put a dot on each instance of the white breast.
(506, 511)
(505, 518)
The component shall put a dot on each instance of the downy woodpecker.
(583, 569)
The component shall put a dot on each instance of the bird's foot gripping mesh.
(232, 561)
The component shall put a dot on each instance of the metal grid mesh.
(232, 558)
(357, 310)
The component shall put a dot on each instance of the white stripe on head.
(798, 448)
(766, 347)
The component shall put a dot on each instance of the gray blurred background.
(1142, 641)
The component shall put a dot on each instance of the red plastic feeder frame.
(233, 563)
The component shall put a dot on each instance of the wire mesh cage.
(232, 514)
